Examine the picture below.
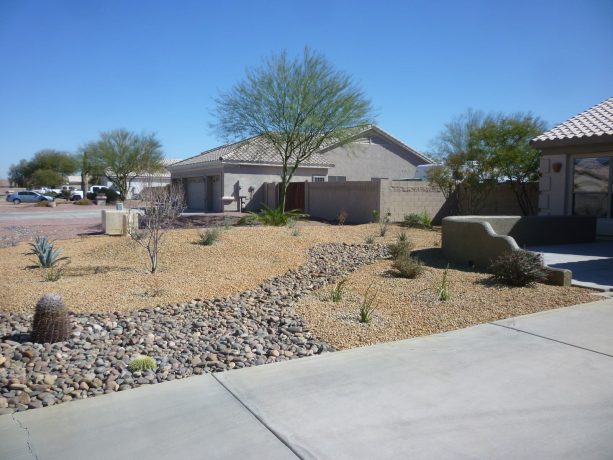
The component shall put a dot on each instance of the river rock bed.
(251, 328)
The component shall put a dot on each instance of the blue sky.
(71, 69)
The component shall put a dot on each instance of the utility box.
(118, 222)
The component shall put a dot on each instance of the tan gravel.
(109, 273)
(408, 308)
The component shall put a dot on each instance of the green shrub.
(209, 236)
(141, 363)
(367, 306)
(407, 267)
(376, 215)
(370, 239)
(402, 246)
(45, 251)
(277, 217)
(421, 220)
(111, 195)
(518, 268)
(52, 274)
(337, 293)
(84, 202)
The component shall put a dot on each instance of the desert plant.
(295, 232)
(142, 363)
(376, 215)
(209, 236)
(52, 274)
(421, 220)
(44, 204)
(84, 202)
(518, 268)
(369, 239)
(368, 305)
(443, 291)
(336, 295)
(227, 223)
(407, 266)
(45, 251)
(384, 224)
(402, 246)
(277, 217)
(342, 217)
(163, 207)
(50, 323)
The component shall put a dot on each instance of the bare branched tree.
(163, 206)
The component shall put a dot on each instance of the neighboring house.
(577, 166)
(218, 179)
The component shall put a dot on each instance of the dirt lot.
(109, 273)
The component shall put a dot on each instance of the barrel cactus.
(50, 322)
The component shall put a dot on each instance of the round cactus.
(50, 322)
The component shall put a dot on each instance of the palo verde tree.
(124, 155)
(298, 105)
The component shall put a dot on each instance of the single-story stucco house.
(218, 179)
(577, 167)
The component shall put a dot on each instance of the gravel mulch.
(255, 327)
(408, 308)
(108, 274)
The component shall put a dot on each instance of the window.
(337, 178)
(319, 178)
(592, 187)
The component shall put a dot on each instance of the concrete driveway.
(591, 263)
(537, 386)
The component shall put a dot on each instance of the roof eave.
(571, 141)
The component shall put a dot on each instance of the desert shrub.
(84, 202)
(384, 224)
(336, 295)
(142, 363)
(295, 232)
(376, 215)
(209, 237)
(111, 195)
(249, 219)
(367, 306)
(43, 204)
(50, 323)
(402, 246)
(369, 239)
(518, 268)
(53, 274)
(342, 217)
(407, 267)
(46, 253)
(421, 220)
(227, 223)
(277, 217)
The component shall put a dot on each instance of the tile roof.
(592, 123)
(258, 150)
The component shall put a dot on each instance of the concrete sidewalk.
(538, 386)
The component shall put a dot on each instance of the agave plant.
(44, 249)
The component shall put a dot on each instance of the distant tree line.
(119, 155)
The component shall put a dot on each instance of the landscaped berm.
(248, 296)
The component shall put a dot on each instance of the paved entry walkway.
(537, 386)
(591, 263)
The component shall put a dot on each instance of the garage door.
(195, 193)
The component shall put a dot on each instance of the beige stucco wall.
(239, 178)
(325, 200)
(408, 197)
(372, 157)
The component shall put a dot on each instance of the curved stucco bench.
(473, 240)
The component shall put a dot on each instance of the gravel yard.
(408, 308)
(108, 274)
